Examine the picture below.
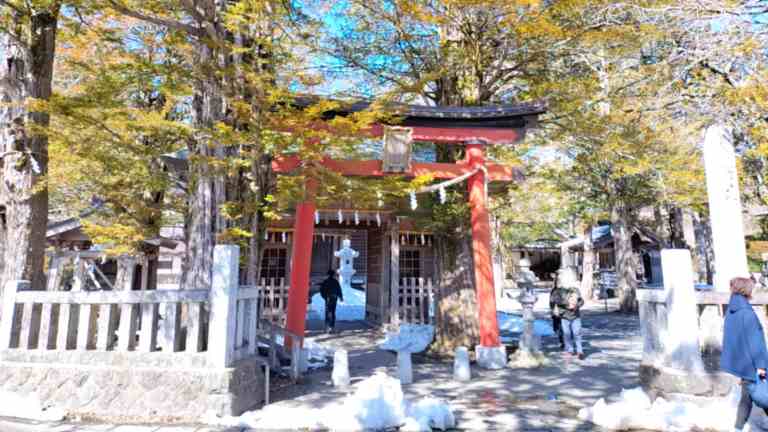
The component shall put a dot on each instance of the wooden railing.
(272, 299)
(415, 301)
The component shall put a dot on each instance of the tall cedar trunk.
(206, 192)
(26, 72)
(456, 312)
(676, 229)
(261, 170)
(662, 228)
(625, 259)
(588, 266)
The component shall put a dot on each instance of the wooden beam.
(460, 135)
(372, 168)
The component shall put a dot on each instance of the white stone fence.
(199, 327)
(415, 301)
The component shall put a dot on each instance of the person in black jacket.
(554, 307)
(744, 352)
(330, 290)
(570, 313)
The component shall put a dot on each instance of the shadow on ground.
(545, 399)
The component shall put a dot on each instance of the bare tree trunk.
(26, 72)
(456, 312)
(625, 259)
(662, 228)
(588, 266)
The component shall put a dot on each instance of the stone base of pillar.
(491, 357)
(525, 359)
(665, 381)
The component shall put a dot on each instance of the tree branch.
(15, 8)
(171, 24)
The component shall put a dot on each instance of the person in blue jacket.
(744, 351)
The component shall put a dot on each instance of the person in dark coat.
(570, 313)
(744, 351)
(330, 290)
(554, 308)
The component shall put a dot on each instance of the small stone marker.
(404, 367)
(340, 374)
(461, 370)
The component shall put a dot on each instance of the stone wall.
(143, 394)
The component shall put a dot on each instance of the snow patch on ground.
(416, 338)
(27, 407)
(316, 355)
(351, 309)
(378, 403)
(512, 323)
(412, 338)
(635, 410)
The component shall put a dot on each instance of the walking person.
(570, 314)
(744, 351)
(554, 308)
(330, 291)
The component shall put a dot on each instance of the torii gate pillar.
(301, 260)
(490, 347)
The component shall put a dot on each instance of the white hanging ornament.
(284, 237)
(422, 240)
(266, 235)
(442, 194)
(414, 203)
(323, 236)
(35, 165)
(378, 219)
(341, 216)
(381, 200)
(317, 218)
(357, 218)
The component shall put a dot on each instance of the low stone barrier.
(655, 376)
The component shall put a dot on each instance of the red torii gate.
(475, 127)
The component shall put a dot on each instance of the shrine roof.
(467, 116)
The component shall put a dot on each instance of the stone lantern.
(527, 354)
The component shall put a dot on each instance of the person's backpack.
(758, 391)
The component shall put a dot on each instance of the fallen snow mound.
(377, 404)
(412, 338)
(27, 407)
(634, 410)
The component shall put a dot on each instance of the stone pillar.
(680, 339)
(724, 207)
(223, 297)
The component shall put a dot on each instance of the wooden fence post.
(9, 308)
(223, 318)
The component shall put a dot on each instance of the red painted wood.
(301, 260)
(481, 250)
(459, 135)
(372, 168)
